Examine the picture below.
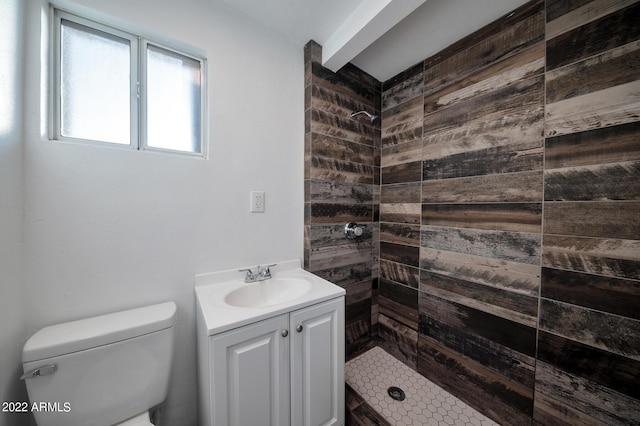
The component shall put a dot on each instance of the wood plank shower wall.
(509, 215)
(342, 184)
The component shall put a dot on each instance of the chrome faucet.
(262, 273)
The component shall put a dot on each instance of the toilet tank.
(100, 370)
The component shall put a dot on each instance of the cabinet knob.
(299, 328)
(285, 333)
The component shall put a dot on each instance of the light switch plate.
(257, 202)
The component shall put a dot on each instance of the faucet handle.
(266, 272)
(249, 276)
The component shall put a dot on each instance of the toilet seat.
(139, 420)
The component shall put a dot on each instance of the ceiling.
(382, 37)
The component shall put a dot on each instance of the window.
(113, 87)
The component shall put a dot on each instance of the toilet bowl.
(105, 370)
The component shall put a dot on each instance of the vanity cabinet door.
(317, 364)
(251, 381)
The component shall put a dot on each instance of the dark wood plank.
(613, 106)
(341, 127)
(583, 14)
(521, 217)
(613, 295)
(323, 168)
(312, 54)
(606, 219)
(399, 79)
(520, 66)
(606, 33)
(598, 404)
(400, 253)
(607, 145)
(512, 108)
(606, 182)
(337, 103)
(399, 340)
(557, 8)
(609, 257)
(408, 172)
(399, 303)
(406, 152)
(342, 275)
(611, 68)
(351, 398)
(348, 82)
(605, 368)
(364, 415)
(404, 90)
(517, 277)
(408, 213)
(602, 330)
(403, 122)
(511, 187)
(454, 324)
(401, 193)
(340, 149)
(332, 192)
(357, 317)
(502, 159)
(513, 246)
(327, 213)
(504, 37)
(514, 306)
(400, 233)
(514, 142)
(548, 411)
(505, 401)
(400, 273)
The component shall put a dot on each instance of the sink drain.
(396, 393)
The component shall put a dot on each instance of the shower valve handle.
(353, 230)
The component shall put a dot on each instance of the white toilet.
(105, 370)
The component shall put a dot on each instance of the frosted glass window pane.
(173, 100)
(95, 85)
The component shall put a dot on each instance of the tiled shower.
(501, 194)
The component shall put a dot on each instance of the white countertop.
(211, 289)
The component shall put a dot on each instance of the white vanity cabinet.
(283, 370)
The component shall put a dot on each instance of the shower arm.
(372, 117)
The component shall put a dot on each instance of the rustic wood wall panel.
(523, 217)
(342, 168)
(506, 182)
(497, 41)
(513, 187)
(400, 233)
(481, 190)
(400, 273)
(399, 340)
(594, 37)
(402, 123)
(489, 122)
(589, 339)
(602, 256)
(401, 193)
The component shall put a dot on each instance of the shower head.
(374, 118)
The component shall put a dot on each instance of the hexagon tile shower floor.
(375, 371)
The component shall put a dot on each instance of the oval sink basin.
(269, 292)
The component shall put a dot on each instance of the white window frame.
(137, 95)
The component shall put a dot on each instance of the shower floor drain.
(396, 393)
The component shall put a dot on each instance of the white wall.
(13, 320)
(109, 229)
